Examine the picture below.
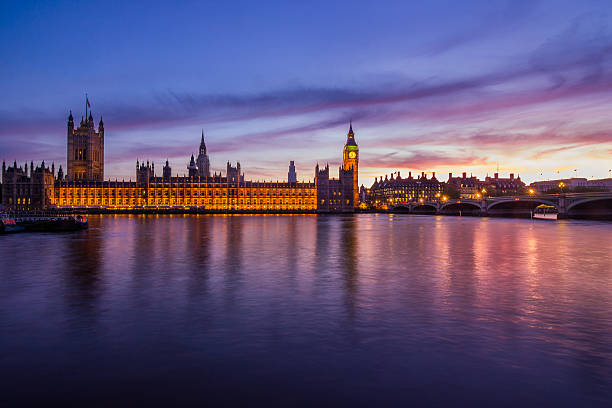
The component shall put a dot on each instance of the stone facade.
(394, 191)
(85, 150)
(84, 187)
(350, 161)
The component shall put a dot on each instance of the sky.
(436, 86)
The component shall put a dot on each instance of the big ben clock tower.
(351, 161)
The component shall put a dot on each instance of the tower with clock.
(351, 161)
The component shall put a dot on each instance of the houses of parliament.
(84, 187)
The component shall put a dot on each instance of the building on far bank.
(21, 189)
(85, 149)
(504, 186)
(84, 187)
(334, 195)
(396, 190)
(468, 187)
(572, 184)
(350, 161)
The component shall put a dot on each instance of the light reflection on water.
(365, 309)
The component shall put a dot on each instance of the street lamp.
(531, 191)
(561, 186)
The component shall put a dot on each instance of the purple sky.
(431, 86)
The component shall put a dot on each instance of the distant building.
(23, 190)
(397, 190)
(504, 186)
(192, 168)
(167, 171)
(468, 187)
(604, 184)
(202, 162)
(571, 184)
(334, 195)
(233, 173)
(291, 175)
(144, 173)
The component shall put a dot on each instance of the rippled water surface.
(364, 310)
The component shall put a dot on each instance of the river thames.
(361, 310)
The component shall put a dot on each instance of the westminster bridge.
(570, 205)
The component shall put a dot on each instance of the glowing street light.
(531, 191)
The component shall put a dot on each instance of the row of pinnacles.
(85, 149)
(23, 188)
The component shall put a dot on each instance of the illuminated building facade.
(397, 190)
(85, 149)
(468, 187)
(350, 160)
(504, 186)
(23, 190)
(334, 195)
(83, 188)
(208, 194)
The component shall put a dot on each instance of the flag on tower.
(87, 99)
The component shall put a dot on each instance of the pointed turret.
(350, 136)
(202, 150)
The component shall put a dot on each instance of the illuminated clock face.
(352, 155)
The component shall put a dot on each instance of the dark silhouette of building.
(291, 175)
(167, 171)
(202, 162)
(144, 172)
(334, 195)
(233, 173)
(192, 168)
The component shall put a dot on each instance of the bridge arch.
(525, 202)
(511, 207)
(592, 207)
(424, 209)
(401, 209)
(462, 207)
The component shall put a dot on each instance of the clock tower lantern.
(351, 162)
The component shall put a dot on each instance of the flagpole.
(85, 105)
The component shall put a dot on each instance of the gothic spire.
(202, 145)
(350, 136)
